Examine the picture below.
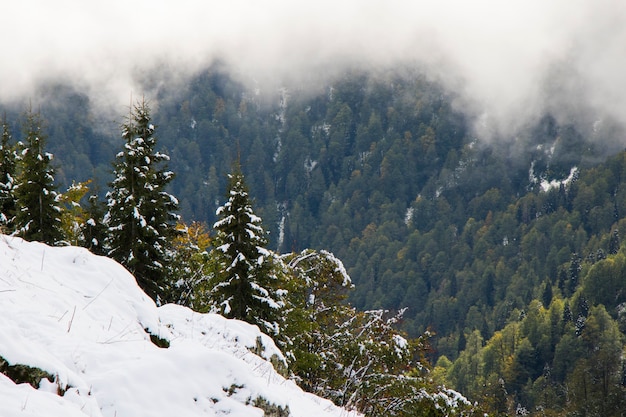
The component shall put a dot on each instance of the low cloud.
(508, 61)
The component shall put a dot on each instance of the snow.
(401, 342)
(408, 217)
(138, 216)
(83, 319)
(309, 165)
(347, 281)
(254, 219)
(555, 184)
(282, 209)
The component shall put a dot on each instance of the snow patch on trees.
(555, 184)
(245, 285)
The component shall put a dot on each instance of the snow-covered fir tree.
(246, 284)
(8, 168)
(141, 213)
(38, 216)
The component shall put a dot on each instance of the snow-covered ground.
(83, 319)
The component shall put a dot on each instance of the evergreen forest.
(499, 258)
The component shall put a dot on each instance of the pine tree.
(8, 168)
(245, 286)
(141, 214)
(39, 215)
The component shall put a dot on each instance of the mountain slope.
(84, 321)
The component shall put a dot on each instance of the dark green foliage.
(141, 216)
(83, 137)
(245, 285)
(39, 215)
(157, 340)
(24, 374)
(232, 389)
(95, 229)
(574, 272)
(614, 243)
(8, 173)
(270, 409)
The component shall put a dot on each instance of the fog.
(508, 62)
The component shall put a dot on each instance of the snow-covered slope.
(83, 319)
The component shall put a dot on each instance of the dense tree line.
(383, 172)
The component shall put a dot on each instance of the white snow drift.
(83, 319)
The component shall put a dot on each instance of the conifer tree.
(39, 215)
(141, 214)
(245, 286)
(8, 167)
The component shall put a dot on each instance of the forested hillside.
(507, 248)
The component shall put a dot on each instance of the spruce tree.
(246, 285)
(8, 167)
(141, 213)
(38, 216)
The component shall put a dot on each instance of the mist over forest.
(508, 63)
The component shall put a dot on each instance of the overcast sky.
(509, 60)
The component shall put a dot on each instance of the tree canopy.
(38, 214)
(245, 285)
